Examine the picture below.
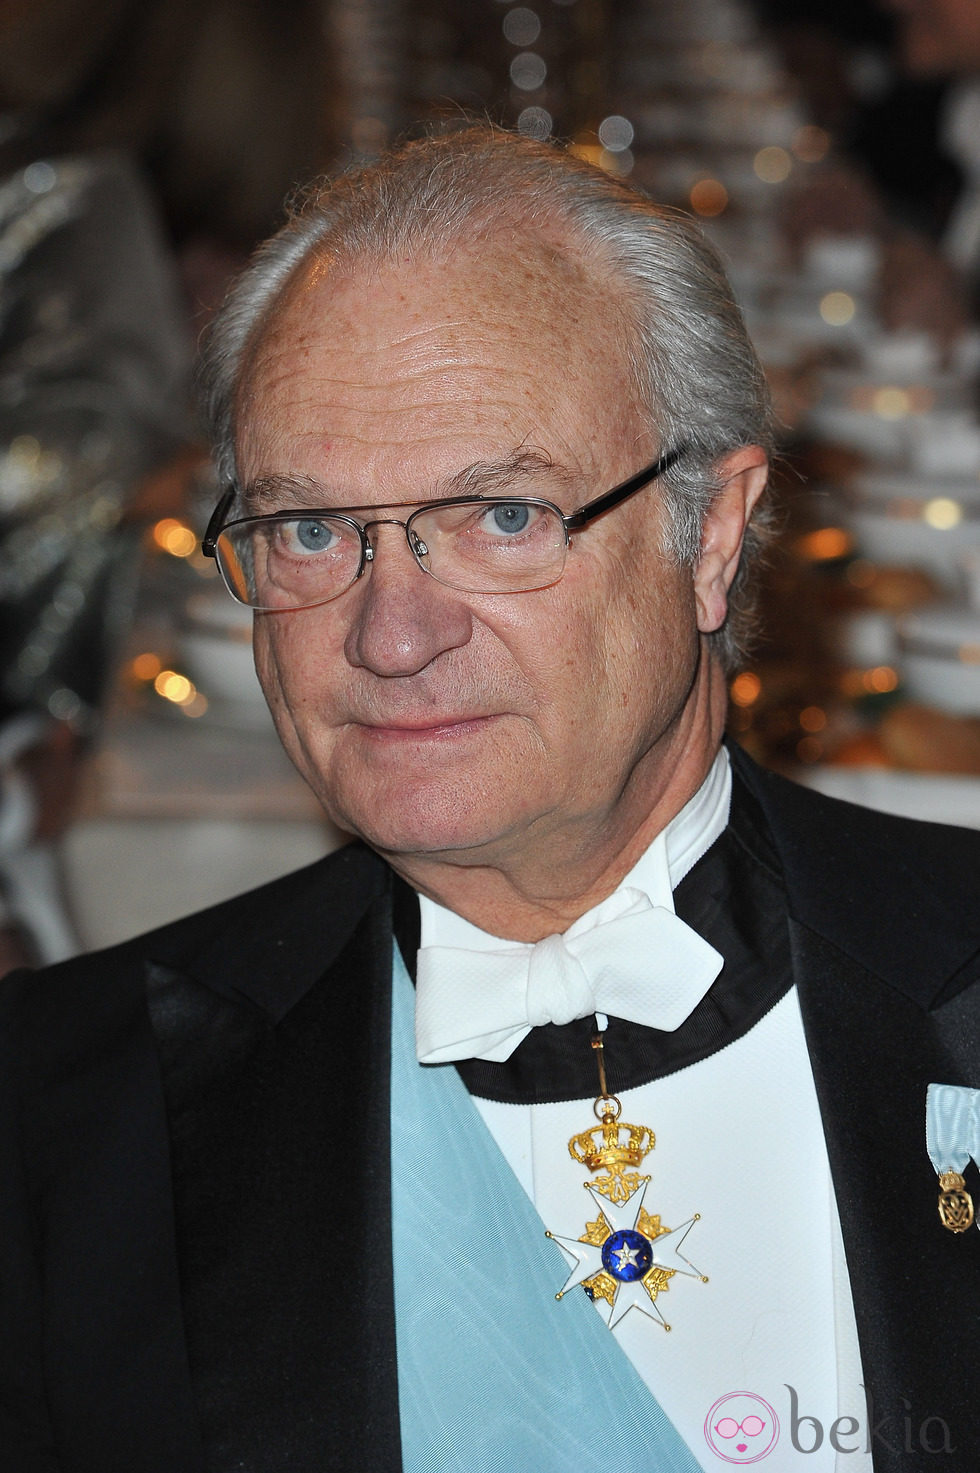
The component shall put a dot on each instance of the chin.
(425, 819)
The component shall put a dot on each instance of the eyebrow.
(281, 493)
(482, 478)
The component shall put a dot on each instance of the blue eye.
(313, 536)
(511, 517)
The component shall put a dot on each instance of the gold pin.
(955, 1203)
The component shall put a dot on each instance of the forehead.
(408, 368)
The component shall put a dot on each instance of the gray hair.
(690, 356)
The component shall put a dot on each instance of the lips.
(425, 728)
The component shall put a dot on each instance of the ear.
(742, 477)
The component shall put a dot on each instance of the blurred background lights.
(708, 197)
(811, 144)
(772, 165)
(146, 666)
(535, 122)
(880, 681)
(64, 704)
(746, 688)
(943, 513)
(528, 71)
(591, 152)
(180, 692)
(521, 26)
(174, 687)
(175, 537)
(837, 308)
(825, 544)
(616, 163)
(891, 402)
(39, 177)
(25, 465)
(26, 449)
(616, 133)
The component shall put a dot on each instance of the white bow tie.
(643, 964)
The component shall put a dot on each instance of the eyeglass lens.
(285, 562)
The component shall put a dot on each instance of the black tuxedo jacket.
(194, 1130)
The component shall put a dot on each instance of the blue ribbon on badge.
(952, 1138)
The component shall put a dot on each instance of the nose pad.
(416, 545)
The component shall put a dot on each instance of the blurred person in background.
(144, 149)
(941, 38)
(893, 175)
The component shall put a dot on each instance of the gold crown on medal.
(613, 1144)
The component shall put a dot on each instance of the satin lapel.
(915, 1285)
(280, 1127)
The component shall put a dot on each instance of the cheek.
(268, 670)
(652, 634)
(289, 668)
(591, 670)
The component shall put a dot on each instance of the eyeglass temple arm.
(593, 509)
(209, 541)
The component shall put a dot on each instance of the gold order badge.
(955, 1202)
(626, 1257)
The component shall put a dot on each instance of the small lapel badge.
(952, 1138)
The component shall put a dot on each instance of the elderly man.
(494, 437)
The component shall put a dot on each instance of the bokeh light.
(811, 144)
(535, 122)
(521, 26)
(175, 537)
(943, 513)
(837, 308)
(772, 165)
(528, 71)
(708, 197)
(746, 688)
(616, 133)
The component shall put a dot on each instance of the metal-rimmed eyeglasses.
(476, 544)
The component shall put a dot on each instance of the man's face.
(430, 721)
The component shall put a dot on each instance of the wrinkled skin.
(511, 755)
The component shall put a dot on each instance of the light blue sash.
(494, 1375)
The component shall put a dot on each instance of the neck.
(542, 884)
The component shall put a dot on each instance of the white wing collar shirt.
(771, 1335)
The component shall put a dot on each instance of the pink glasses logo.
(741, 1428)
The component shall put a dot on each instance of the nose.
(402, 619)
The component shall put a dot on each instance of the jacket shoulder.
(322, 897)
(899, 895)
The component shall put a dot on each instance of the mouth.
(424, 729)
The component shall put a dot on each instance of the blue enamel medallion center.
(627, 1255)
